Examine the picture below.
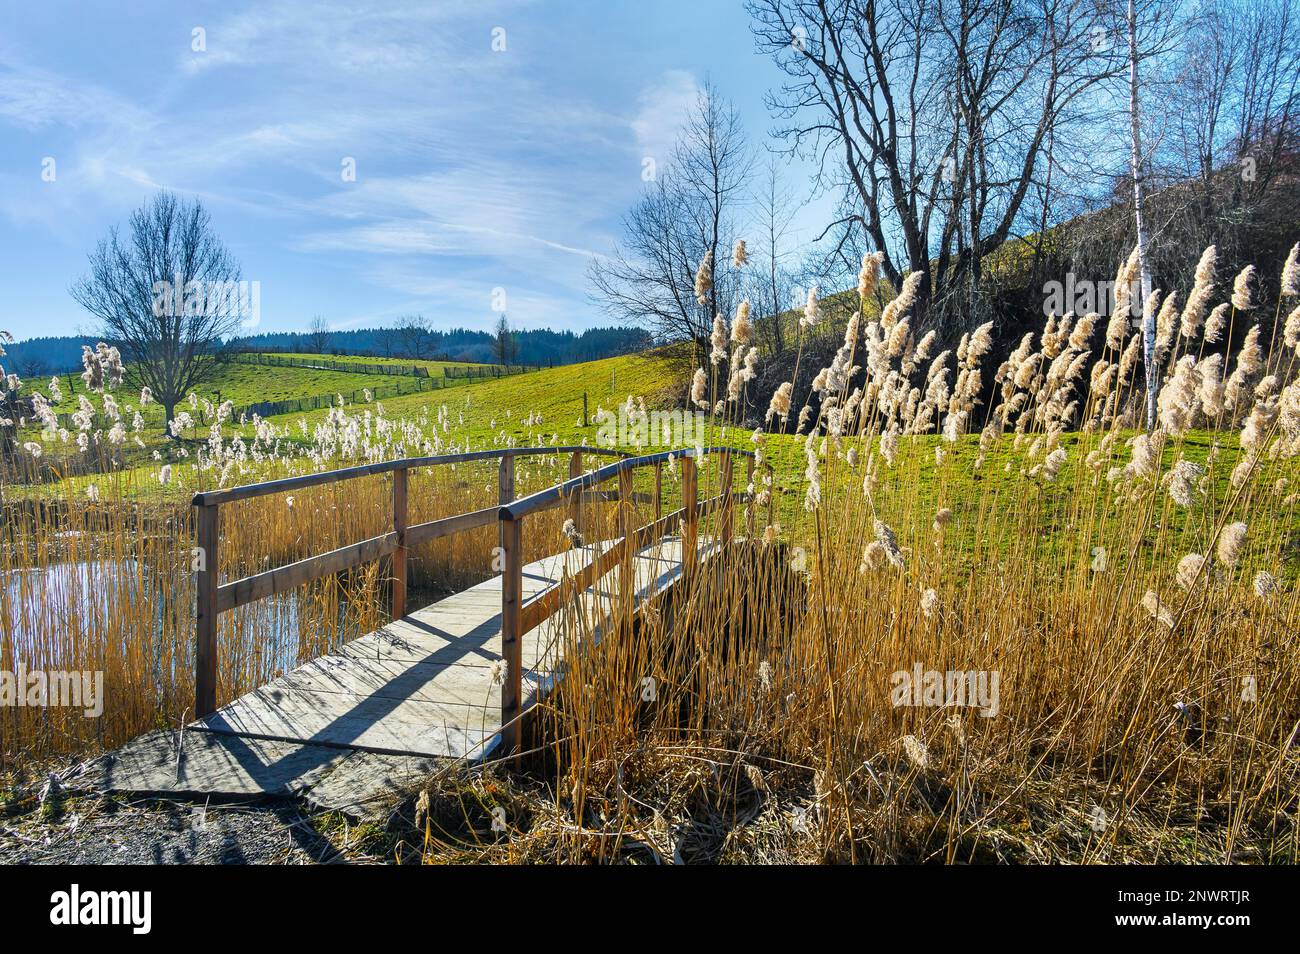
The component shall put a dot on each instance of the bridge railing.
(215, 598)
(518, 617)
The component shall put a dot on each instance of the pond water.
(83, 597)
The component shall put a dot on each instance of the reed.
(1131, 593)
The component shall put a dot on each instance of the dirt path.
(78, 824)
(94, 830)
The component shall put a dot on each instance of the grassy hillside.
(245, 384)
(483, 411)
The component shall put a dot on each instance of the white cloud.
(35, 98)
(663, 110)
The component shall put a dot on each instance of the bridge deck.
(384, 707)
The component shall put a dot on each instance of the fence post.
(753, 497)
(691, 516)
(512, 587)
(659, 490)
(399, 555)
(625, 506)
(725, 466)
(205, 650)
(575, 499)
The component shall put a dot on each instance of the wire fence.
(397, 370)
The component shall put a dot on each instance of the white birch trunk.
(1135, 166)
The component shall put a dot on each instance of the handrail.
(552, 496)
(249, 491)
(518, 617)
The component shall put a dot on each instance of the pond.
(47, 612)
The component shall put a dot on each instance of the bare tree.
(933, 118)
(1234, 96)
(689, 211)
(714, 163)
(770, 292)
(649, 281)
(414, 336)
(504, 342)
(167, 295)
(318, 334)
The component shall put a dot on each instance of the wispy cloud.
(475, 169)
(662, 110)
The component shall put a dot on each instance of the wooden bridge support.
(512, 587)
(399, 555)
(205, 649)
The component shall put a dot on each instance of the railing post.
(659, 491)
(399, 555)
(691, 514)
(205, 650)
(625, 503)
(725, 467)
(505, 488)
(753, 497)
(575, 499)
(512, 588)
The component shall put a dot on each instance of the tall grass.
(1149, 680)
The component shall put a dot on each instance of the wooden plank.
(211, 764)
(446, 526)
(205, 650)
(202, 763)
(626, 514)
(382, 737)
(450, 683)
(362, 784)
(575, 471)
(505, 493)
(552, 496)
(268, 583)
(614, 496)
(375, 724)
(602, 562)
(659, 491)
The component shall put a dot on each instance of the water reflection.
(42, 607)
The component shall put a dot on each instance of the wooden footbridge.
(453, 680)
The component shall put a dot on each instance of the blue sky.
(475, 169)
